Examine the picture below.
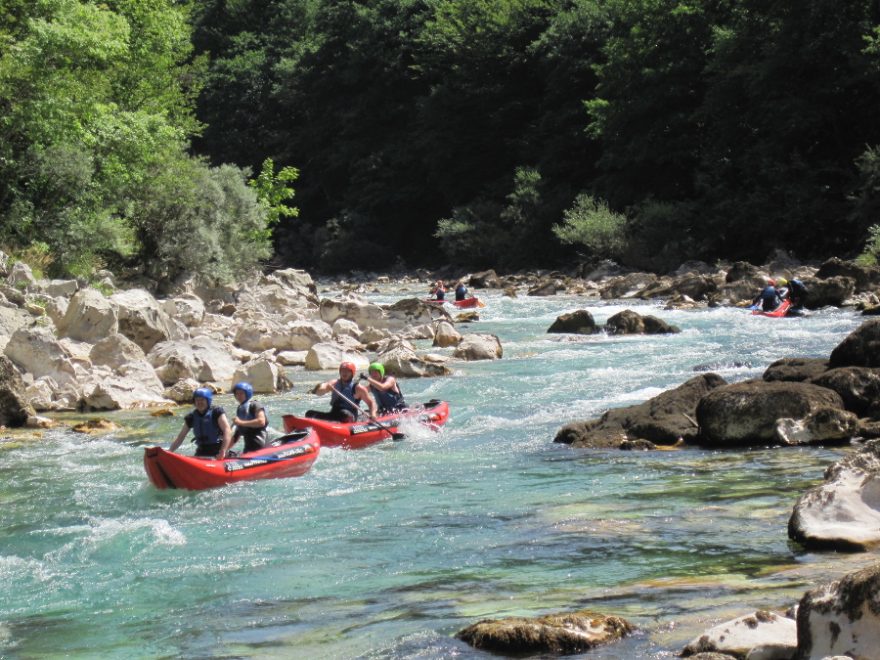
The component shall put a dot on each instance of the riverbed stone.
(479, 346)
(860, 348)
(143, 320)
(841, 618)
(202, 358)
(795, 369)
(843, 513)
(579, 322)
(576, 632)
(834, 291)
(663, 420)
(14, 406)
(90, 316)
(446, 335)
(761, 634)
(859, 387)
(746, 413)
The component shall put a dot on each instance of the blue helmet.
(205, 393)
(247, 388)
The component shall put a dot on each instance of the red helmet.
(348, 365)
(771, 281)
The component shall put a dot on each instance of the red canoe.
(461, 304)
(290, 455)
(776, 313)
(355, 435)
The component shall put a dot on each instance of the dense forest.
(167, 137)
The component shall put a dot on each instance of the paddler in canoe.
(439, 291)
(460, 291)
(384, 389)
(768, 298)
(251, 421)
(346, 395)
(213, 435)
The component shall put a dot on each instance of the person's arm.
(180, 436)
(226, 430)
(389, 383)
(323, 388)
(363, 394)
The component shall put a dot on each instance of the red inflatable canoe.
(290, 455)
(776, 313)
(461, 304)
(355, 435)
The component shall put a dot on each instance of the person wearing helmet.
(460, 291)
(796, 292)
(769, 297)
(384, 389)
(251, 420)
(213, 435)
(346, 397)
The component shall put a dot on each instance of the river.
(388, 551)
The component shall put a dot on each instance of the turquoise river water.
(387, 552)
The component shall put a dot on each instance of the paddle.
(394, 436)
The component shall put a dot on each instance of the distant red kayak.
(290, 455)
(356, 435)
(461, 304)
(779, 312)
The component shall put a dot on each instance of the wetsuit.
(460, 292)
(340, 409)
(769, 298)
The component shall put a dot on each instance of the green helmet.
(377, 366)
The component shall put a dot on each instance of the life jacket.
(388, 399)
(797, 287)
(770, 298)
(205, 427)
(440, 293)
(338, 403)
(248, 411)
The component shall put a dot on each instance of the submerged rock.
(576, 632)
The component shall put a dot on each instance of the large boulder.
(579, 322)
(187, 308)
(123, 393)
(747, 413)
(576, 632)
(487, 279)
(861, 348)
(864, 277)
(90, 316)
(263, 373)
(626, 286)
(841, 618)
(411, 312)
(365, 314)
(859, 387)
(628, 322)
(665, 419)
(11, 319)
(795, 369)
(14, 406)
(325, 356)
(202, 358)
(400, 359)
(844, 512)
(834, 292)
(761, 634)
(37, 351)
(142, 319)
(479, 346)
(445, 335)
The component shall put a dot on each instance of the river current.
(388, 551)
